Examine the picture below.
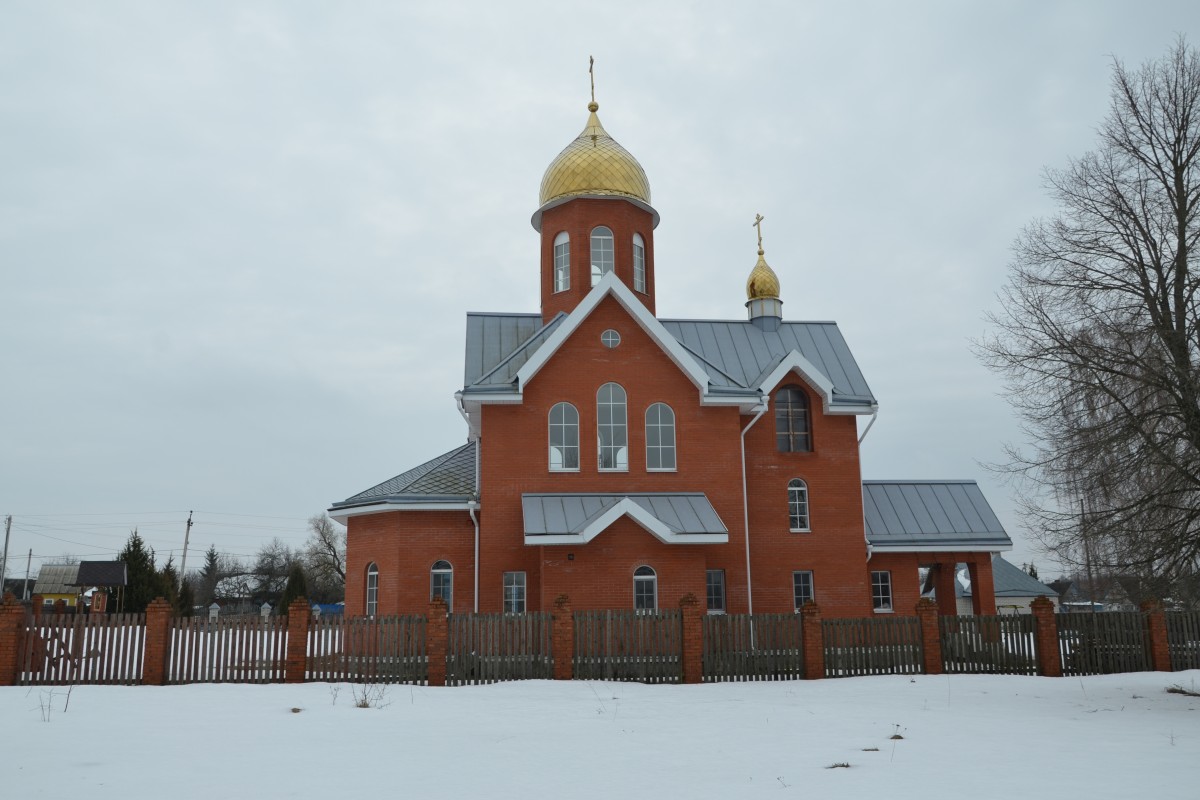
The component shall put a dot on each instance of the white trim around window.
(798, 521)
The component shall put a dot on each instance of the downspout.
(746, 507)
(870, 550)
(874, 414)
(472, 504)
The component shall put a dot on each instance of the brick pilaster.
(931, 636)
(692, 640)
(1045, 637)
(1156, 629)
(296, 663)
(563, 639)
(154, 660)
(12, 625)
(814, 641)
(436, 636)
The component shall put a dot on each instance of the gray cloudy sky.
(237, 241)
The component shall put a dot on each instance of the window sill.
(716, 613)
(672, 469)
(620, 469)
(885, 611)
(564, 469)
(799, 530)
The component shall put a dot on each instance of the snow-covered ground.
(1117, 736)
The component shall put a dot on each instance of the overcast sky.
(237, 241)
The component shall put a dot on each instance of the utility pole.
(25, 588)
(4, 560)
(183, 561)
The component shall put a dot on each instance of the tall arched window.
(792, 433)
(562, 262)
(441, 582)
(645, 589)
(639, 263)
(660, 437)
(602, 253)
(612, 432)
(372, 589)
(564, 438)
(797, 505)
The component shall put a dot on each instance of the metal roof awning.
(674, 518)
(930, 516)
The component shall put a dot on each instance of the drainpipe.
(870, 550)
(874, 414)
(471, 506)
(746, 506)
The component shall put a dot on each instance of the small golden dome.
(763, 282)
(594, 164)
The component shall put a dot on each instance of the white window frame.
(645, 585)
(803, 578)
(714, 579)
(603, 256)
(881, 592)
(562, 262)
(372, 589)
(799, 520)
(663, 430)
(615, 451)
(559, 437)
(514, 592)
(447, 573)
(639, 263)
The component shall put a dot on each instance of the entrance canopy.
(674, 518)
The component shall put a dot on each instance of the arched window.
(562, 262)
(639, 263)
(792, 434)
(660, 437)
(612, 432)
(602, 253)
(645, 589)
(372, 589)
(441, 582)
(797, 505)
(564, 438)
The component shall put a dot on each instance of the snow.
(983, 736)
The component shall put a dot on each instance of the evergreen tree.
(210, 577)
(185, 602)
(296, 586)
(143, 580)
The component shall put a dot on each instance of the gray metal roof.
(493, 338)
(952, 515)
(448, 478)
(102, 573)
(1009, 581)
(56, 579)
(559, 514)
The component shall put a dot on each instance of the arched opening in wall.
(562, 262)
(441, 582)
(792, 424)
(798, 506)
(372, 604)
(603, 258)
(660, 438)
(612, 429)
(645, 589)
(564, 438)
(639, 263)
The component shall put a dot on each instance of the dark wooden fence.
(1098, 644)
(883, 646)
(1183, 636)
(367, 649)
(485, 648)
(226, 650)
(62, 649)
(628, 646)
(1000, 645)
(762, 647)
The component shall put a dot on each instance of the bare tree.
(325, 556)
(1098, 338)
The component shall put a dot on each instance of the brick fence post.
(296, 662)
(1045, 638)
(436, 635)
(1156, 628)
(692, 639)
(36, 603)
(814, 641)
(931, 636)
(563, 636)
(154, 660)
(12, 624)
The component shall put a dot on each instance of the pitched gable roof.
(924, 516)
(1008, 580)
(675, 518)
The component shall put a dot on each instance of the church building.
(626, 461)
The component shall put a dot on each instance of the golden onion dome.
(594, 165)
(763, 282)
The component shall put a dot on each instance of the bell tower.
(594, 217)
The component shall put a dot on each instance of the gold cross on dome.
(758, 218)
(592, 76)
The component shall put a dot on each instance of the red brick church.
(626, 460)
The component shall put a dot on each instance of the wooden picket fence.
(1183, 637)
(249, 649)
(641, 646)
(759, 647)
(883, 646)
(1099, 644)
(367, 649)
(486, 648)
(1001, 645)
(60, 649)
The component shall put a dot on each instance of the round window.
(610, 338)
